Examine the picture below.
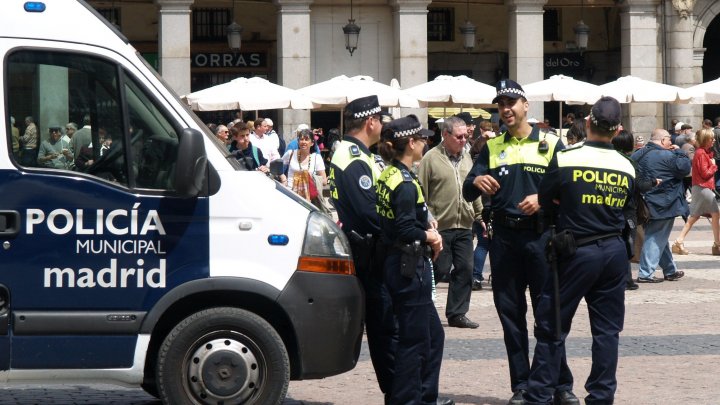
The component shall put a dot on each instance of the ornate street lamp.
(234, 33)
(582, 31)
(352, 33)
(468, 30)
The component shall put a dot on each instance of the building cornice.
(410, 6)
(293, 6)
(180, 6)
(525, 6)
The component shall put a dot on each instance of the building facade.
(301, 42)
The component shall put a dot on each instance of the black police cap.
(404, 127)
(606, 113)
(363, 107)
(508, 88)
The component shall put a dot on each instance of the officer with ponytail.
(411, 244)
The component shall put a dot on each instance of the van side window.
(153, 141)
(69, 115)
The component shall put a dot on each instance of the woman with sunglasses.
(407, 272)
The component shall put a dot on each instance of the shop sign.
(568, 64)
(230, 60)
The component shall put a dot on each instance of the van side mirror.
(191, 167)
(276, 167)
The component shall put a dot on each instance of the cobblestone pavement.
(669, 350)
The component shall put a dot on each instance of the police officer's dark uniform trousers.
(352, 179)
(403, 216)
(592, 183)
(517, 244)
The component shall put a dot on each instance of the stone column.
(53, 98)
(680, 61)
(640, 57)
(525, 45)
(293, 50)
(174, 43)
(410, 64)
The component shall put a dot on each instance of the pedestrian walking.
(509, 169)
(587, 187)
(660, 159)
(441, 173)
(411, 242)
(703, 195)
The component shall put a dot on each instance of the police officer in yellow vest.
(352, 177)
(407, 272)
(588, 187)
(509, 169)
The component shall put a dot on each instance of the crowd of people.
(255, 144)
(65, 147)
(421, 206)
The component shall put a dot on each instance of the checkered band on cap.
(510, 90)
(597, 123)
(407, 132)
(367, 113)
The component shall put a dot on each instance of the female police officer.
(404, 222)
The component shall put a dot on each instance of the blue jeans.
(481, 251)
(656, 249)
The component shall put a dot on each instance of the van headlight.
(326, 248)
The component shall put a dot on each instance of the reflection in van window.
(52, 91)
(153, 140)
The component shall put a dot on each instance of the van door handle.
(9, 223)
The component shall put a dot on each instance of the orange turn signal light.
(330, 265)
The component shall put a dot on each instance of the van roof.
(88, 26)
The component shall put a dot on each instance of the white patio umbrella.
(247, 94)
(562, 88)
(340, 90)
(705, 93)
(629, 89)
(452, 91)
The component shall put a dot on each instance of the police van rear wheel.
(223, 355)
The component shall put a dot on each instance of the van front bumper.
(327, 313)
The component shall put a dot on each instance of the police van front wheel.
(223, 355)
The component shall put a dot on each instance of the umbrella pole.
(560, 122)
(342, 124)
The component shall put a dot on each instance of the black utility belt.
(510, 222)
(592, 239)
(414, 249)
(564, 244)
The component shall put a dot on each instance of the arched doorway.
(711, 63)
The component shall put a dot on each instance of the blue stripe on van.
(104, 266)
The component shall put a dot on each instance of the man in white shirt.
(272, 135)
(263, 142)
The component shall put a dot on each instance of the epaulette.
(567, 149)
(354, 151)
(406, 175)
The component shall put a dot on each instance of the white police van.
(155, 261)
